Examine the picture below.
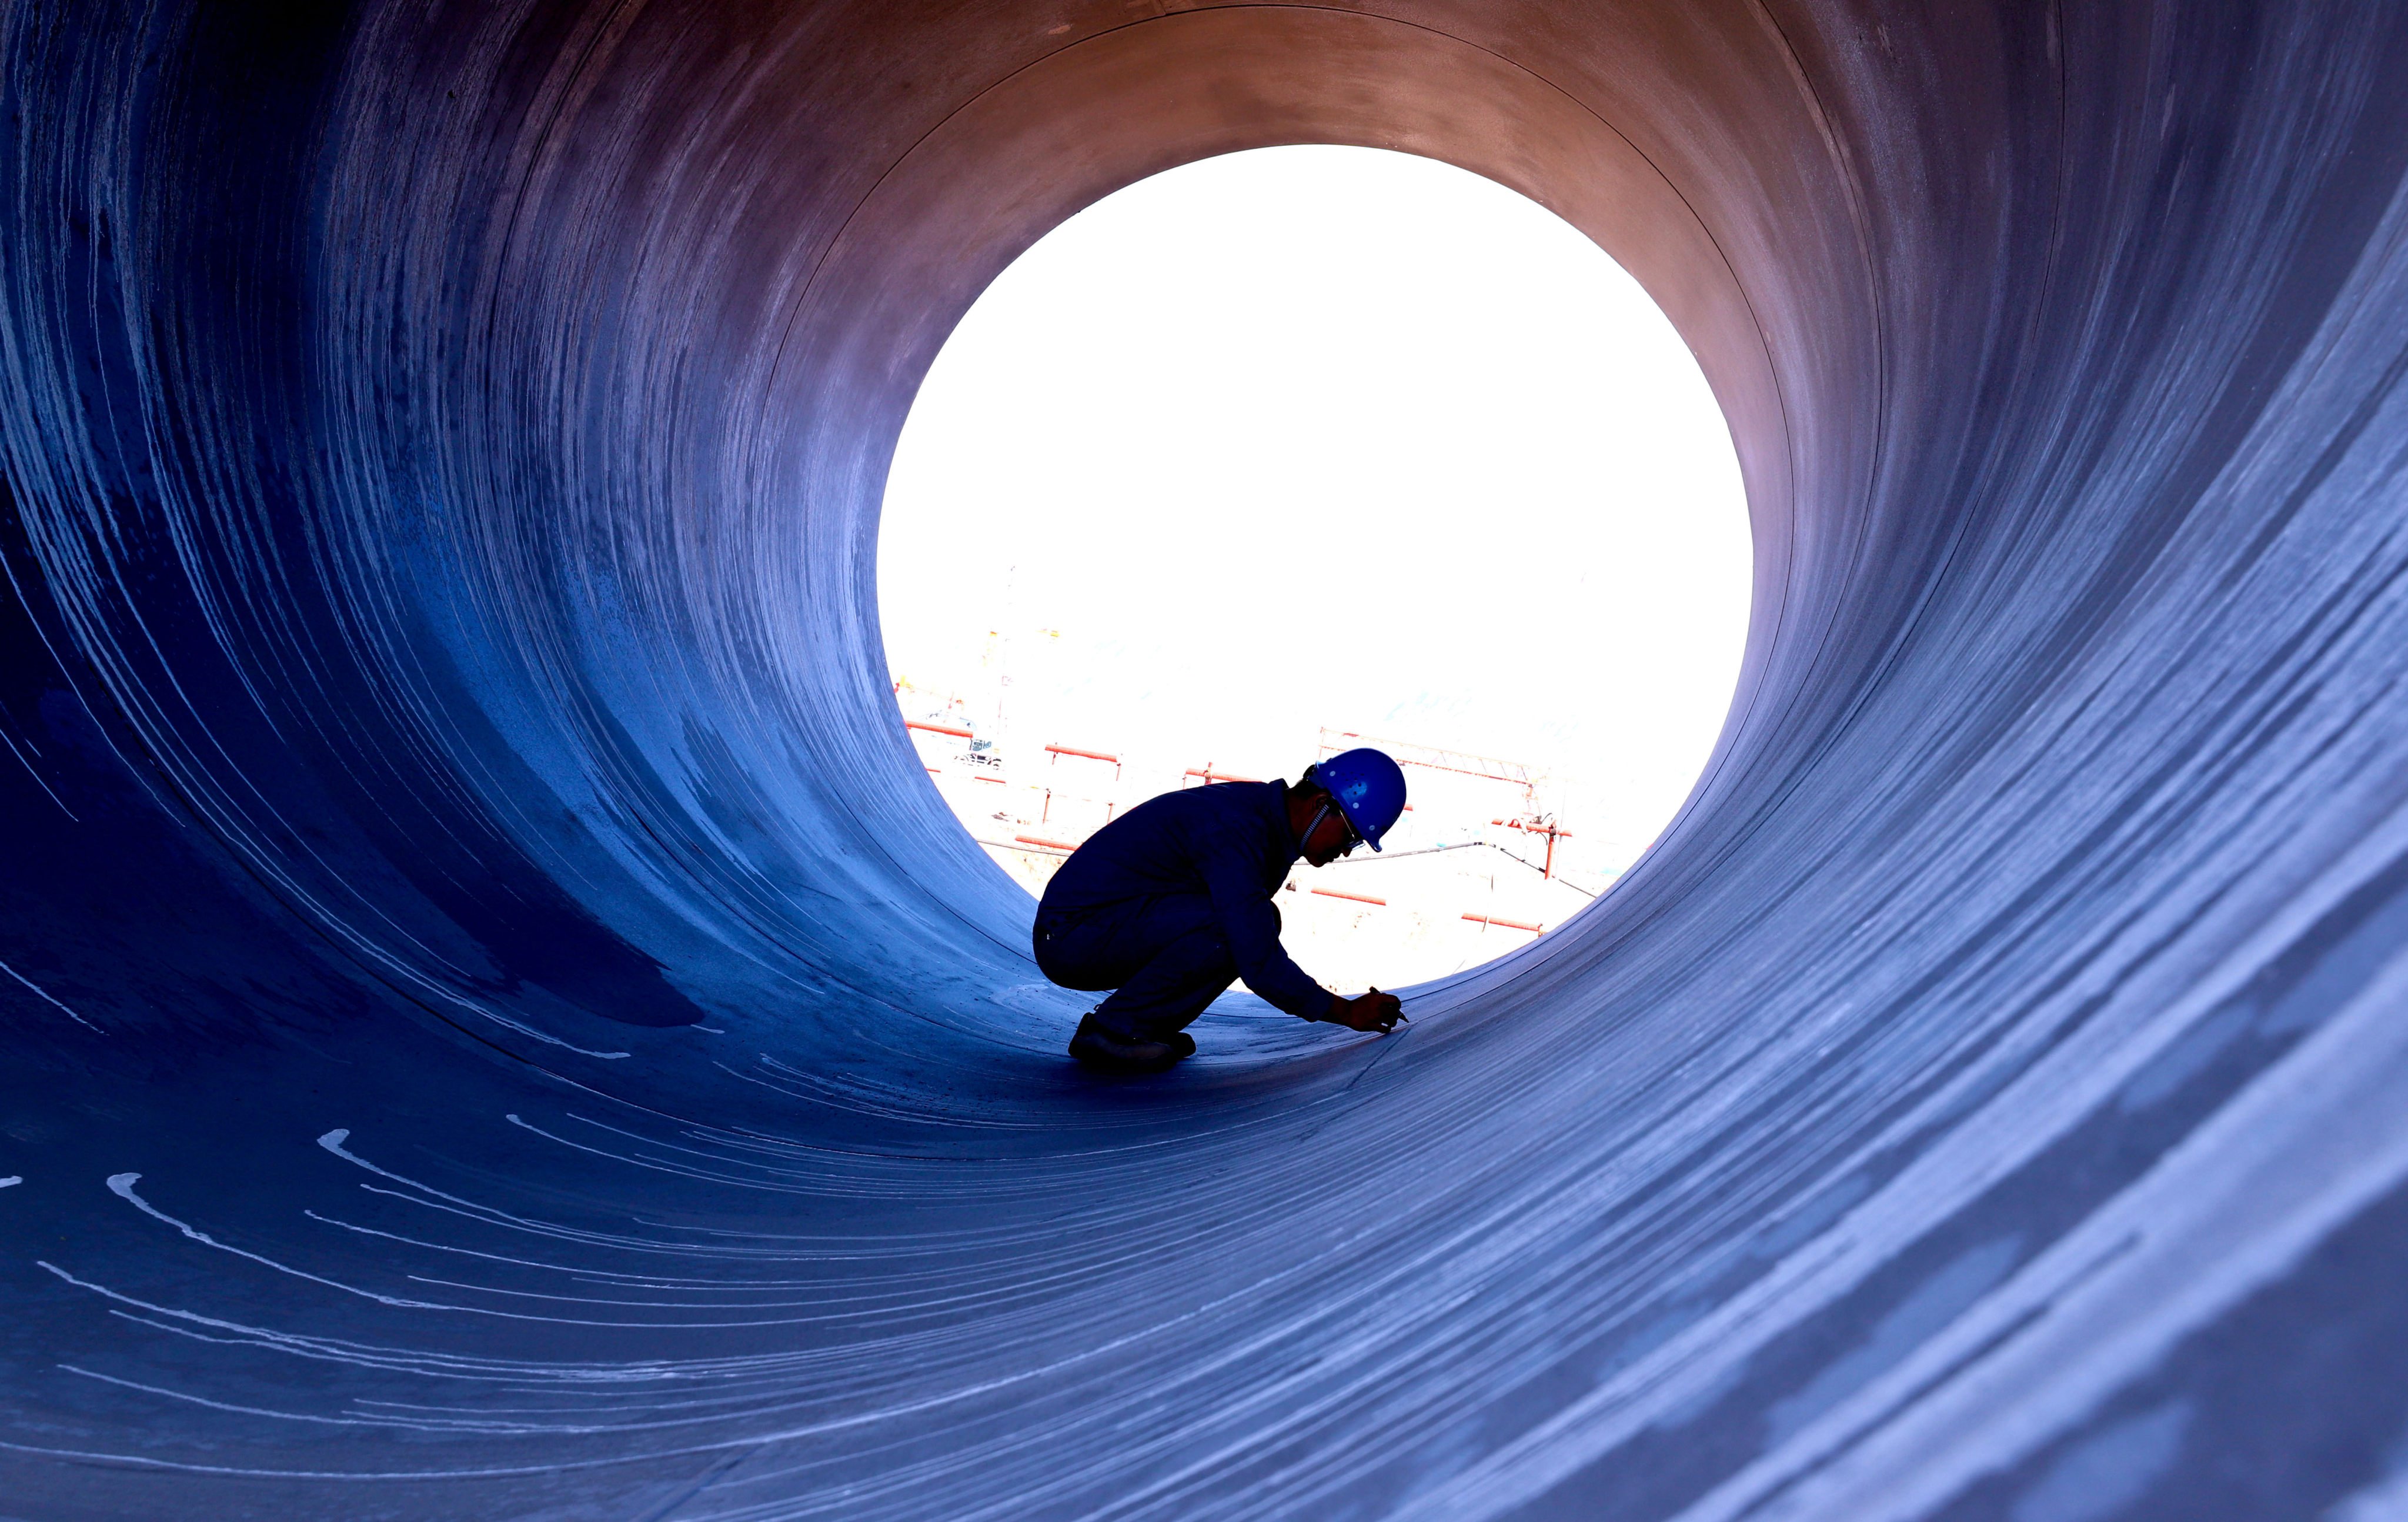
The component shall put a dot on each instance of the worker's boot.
(1101, 1048)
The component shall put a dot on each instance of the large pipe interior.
(500, 1024)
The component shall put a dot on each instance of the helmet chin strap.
(1304, 841)
(1322, 813)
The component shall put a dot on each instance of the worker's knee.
(1206, 950)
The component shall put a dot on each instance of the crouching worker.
(1168, 903)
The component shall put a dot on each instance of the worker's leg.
(1104, 947)
(1166, 957)
(1173, 989)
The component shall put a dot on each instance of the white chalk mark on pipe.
(43, 994)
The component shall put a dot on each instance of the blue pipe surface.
(500, 1026)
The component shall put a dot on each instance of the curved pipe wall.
(499, 1026)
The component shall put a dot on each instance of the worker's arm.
(1252, 929)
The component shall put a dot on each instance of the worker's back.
(1168, 844)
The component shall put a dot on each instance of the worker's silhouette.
(1170, 902)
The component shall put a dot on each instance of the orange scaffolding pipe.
(1359, 897)
(1510, 925)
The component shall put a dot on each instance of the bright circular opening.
(1290, 447)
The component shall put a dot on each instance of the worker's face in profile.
(1330, 838)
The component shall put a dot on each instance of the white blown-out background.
(1312, 437)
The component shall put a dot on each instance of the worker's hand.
(1374, 1010)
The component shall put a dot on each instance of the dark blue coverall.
(1171, 901)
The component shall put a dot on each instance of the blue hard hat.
(1369, 789)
